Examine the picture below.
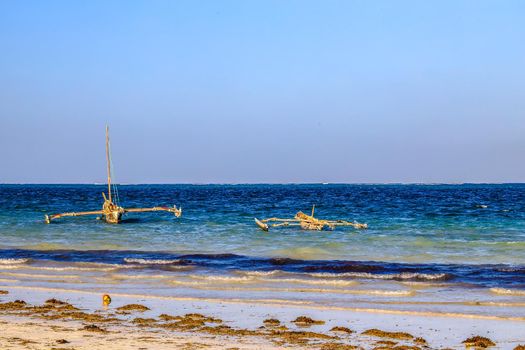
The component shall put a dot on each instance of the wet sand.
(48, 319)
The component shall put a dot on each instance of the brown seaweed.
(338, 346)
(305, 321)
(383, 334)
(272, 322)
(341, 330)
(133, 307)
(478, 342)
(94, 328)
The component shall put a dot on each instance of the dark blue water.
(473, 234)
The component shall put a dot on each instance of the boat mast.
(109, 166)
(112, 212)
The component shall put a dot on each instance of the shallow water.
(454, 248)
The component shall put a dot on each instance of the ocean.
(430, 248)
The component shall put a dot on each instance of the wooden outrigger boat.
(307, 222)
(111, 211)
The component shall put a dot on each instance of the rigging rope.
(114, 186)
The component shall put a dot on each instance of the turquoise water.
(461, 224)
(433, 248)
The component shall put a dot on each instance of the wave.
(484, 275)
(262, 277)
(189, 283)
(10, 267)
(503, 291)
(139, 277)
(253, 279)
(335, 278)
(141, 261)
(511, 269)
(306, 281)
(373, 292)
(13, 261)
(224, 279)
(40, 276)
(262, 273)
(75, 268)
(404, 276)
(328, 278)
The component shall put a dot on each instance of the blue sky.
(263, 91)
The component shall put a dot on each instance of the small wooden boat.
(111, 211)
(307, 222)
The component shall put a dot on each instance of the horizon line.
(261, 183)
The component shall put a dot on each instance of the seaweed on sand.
(190, 317)
(298, 337)
(79, 315)
(21, 341)
(420, 341)
(227, 330)
(54, 301)
(94, 328)
(188, 321)
(478, 342)
(13, 305)
(198, 323)
(383, 334)
(272, 322)
(399, 347)
(53, 305)
(202, 318)
(133, 307)
(144, 321)
(338, 346)
(166, 317)
(305, 321)
(388, 343)
(340, 329)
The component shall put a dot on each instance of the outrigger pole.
(307, 222)
(111, 212)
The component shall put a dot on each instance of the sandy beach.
(214, 280)
(40, 318)
(262, 175)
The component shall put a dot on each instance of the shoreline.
(289, 303)
(241, 324)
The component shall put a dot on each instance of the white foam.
(263, 277)
(11, 261)
(332, 282)
(262, 273)
(224, 279)
(39, 276)
(380, 293)
(139, 277)
(397, 276)
(189, 283)
(503, 291)
(151, 261)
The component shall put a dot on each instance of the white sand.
(447, 330)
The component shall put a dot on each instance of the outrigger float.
(307, 222)
(111, 210)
